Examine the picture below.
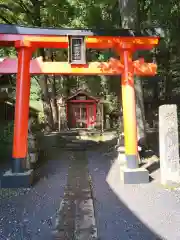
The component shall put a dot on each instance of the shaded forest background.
(160, 18)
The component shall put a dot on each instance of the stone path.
(29, 214)
(76, 214)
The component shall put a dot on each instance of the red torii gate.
(27, 40)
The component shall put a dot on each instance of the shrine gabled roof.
(82, 92)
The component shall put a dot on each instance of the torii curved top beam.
(15, 29)
(58, 38)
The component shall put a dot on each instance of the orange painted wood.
(112, 67)
(91, 41)
(129, 105)
(111, 42)
(22, 104)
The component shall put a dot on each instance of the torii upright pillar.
(129, 109)
(19, 176)
(130, 173)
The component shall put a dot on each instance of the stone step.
(75, 149)
(70, 137)
(77, 146)
(74, 145)
(69, 133)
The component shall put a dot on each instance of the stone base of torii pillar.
(128, 175)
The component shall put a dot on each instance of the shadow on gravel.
(31, 213)
(113, 217)
(47, 163)
(153, 140)
(153, 167)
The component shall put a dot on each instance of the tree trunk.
(43, 83)
(168, 76)
(129, 18)
(67, 86)
(48, 113)
(104, 90)
(54, 102)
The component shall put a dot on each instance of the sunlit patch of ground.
(143, 211)
(99, 137)
(7, 193)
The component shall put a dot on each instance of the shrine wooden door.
(91, 115)
(83, 115)
(79, 116)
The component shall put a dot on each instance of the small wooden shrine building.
(83, 110)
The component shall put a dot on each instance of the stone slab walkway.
(76, 214)
(29, 214)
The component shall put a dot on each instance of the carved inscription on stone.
(172, 149)
(168, 143)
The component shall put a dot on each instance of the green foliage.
(6, 133)
(163, 18)
(41, 119)
(35, 90)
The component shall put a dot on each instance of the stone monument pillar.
(169, 145)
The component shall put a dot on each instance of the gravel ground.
(147, 212)
(29, 214)
(122, 212)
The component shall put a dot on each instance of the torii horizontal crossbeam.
(112, 67)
